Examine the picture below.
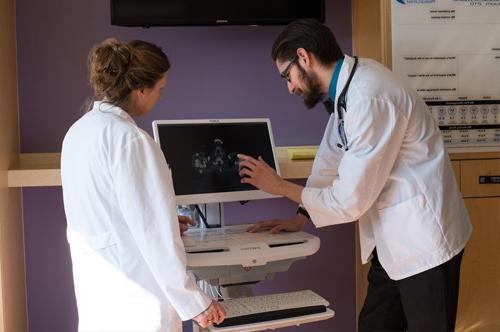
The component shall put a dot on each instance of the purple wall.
(217, 72)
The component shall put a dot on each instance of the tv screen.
(213, 12)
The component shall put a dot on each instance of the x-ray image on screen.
(203, 156)
(216, 161)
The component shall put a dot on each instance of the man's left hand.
(294, 224)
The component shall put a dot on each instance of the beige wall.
(12, 276)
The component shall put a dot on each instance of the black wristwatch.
(303, 212)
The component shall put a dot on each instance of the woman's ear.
(138, 94)
(135, 96)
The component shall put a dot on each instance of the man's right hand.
(213, 314)
(277, 225)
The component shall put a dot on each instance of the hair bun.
(112, 58)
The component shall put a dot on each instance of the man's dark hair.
(311, 35)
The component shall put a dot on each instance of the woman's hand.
(184, 223)
(213, 314)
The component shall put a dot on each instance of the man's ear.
(304, 57)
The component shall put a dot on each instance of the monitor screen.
(202, 157)
(213, 12)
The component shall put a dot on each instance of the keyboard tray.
(277, 323)
(272, 315)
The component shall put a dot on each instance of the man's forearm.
(292, 191)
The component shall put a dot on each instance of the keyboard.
(247, 310)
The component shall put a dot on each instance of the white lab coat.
(129, 263)
(396, 178)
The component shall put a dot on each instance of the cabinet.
(479, 300)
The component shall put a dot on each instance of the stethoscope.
(342, 107)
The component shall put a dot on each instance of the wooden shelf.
(44, 169)
(35, 170)
(293, 169)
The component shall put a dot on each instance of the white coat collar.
(102, 106)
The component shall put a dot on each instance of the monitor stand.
(232, 278)
(213, 213)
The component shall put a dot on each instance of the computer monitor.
(202, 157)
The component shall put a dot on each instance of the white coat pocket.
(102, 245)
(98, 242)
(407, 230)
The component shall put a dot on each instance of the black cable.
(202, 216)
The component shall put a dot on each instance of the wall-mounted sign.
(449, 51)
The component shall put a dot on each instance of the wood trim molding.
(386, 32)
(366, 29)
(13, 313)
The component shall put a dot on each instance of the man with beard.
(381, 162)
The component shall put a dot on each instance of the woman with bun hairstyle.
(129, 263)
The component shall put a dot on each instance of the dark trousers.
(424, 302)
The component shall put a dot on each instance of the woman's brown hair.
(116, 68)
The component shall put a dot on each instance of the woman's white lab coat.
(396, 176)
(129, 263)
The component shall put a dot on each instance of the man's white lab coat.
(396, 177)
(129, 263)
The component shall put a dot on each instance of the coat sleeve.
(145, 194)
(375, 131)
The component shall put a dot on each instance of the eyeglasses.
(285, 74)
